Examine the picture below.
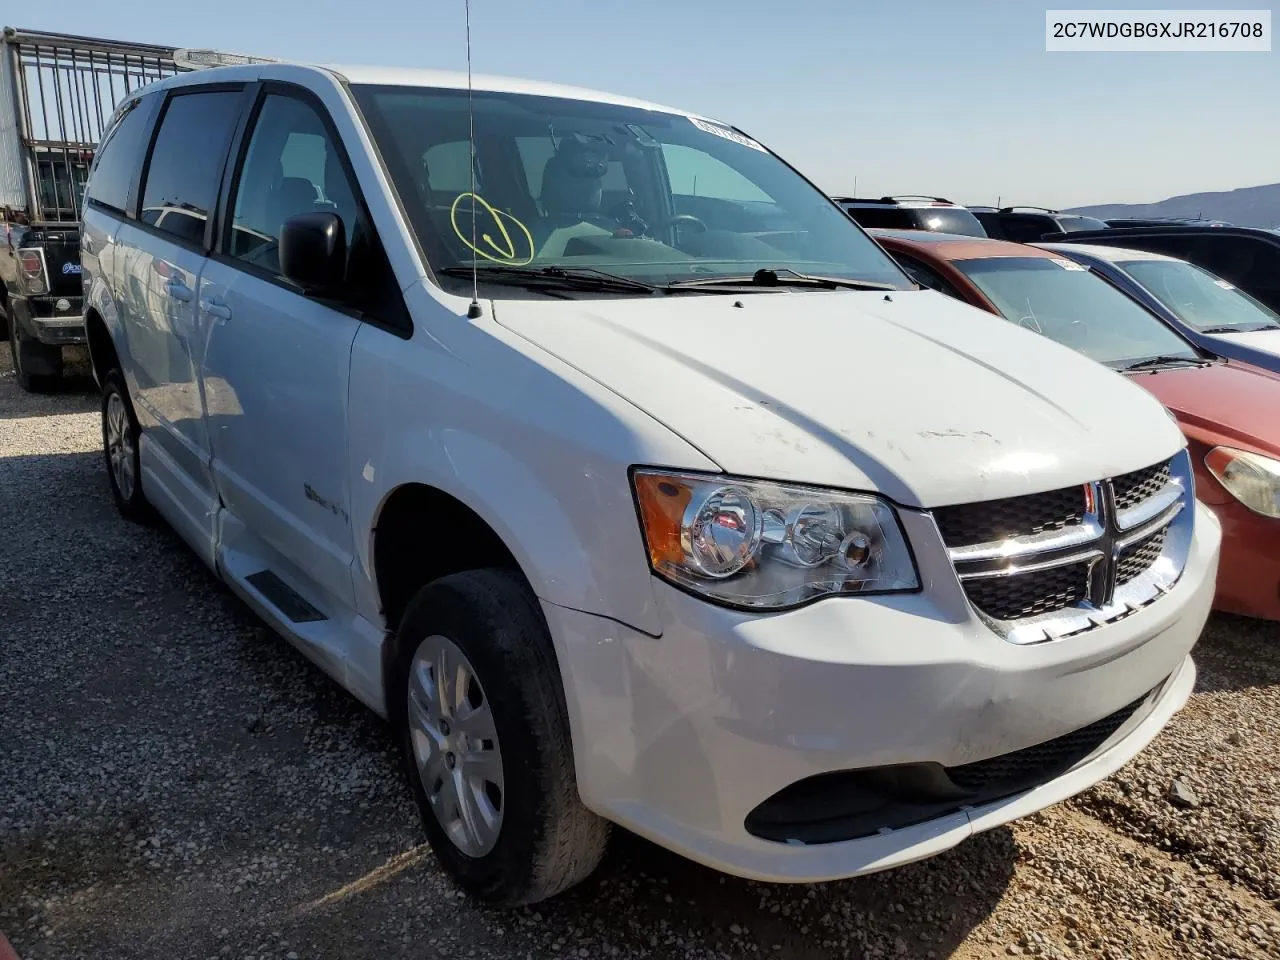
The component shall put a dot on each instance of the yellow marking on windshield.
(501, 250)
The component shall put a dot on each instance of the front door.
(276, 368)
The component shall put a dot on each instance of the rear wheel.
(487, 750)
(120, 434)
(31, 353)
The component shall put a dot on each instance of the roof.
(412, 77)
(1109, 254)
(951, 246)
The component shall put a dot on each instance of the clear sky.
(950, 97)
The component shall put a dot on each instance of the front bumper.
(678, 738)
(1249, 573)
(52, 320)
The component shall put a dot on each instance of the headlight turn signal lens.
(1251, 478)
(751, 543)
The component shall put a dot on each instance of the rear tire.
(120, 435)
(496, 734)
(19, 348)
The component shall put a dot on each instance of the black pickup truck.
(57, 93)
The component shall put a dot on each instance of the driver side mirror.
(313, 252)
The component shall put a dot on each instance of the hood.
(1224, 403)
(913, 394)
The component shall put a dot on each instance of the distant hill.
(1246, 207)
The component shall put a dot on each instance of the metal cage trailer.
(57, 96)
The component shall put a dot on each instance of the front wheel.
(486, 740)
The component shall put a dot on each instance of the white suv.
(626, 475)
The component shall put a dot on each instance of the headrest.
(297, 194)
(572, 180)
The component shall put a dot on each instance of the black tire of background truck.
(20, 346)
(548, 840)
(134, 507)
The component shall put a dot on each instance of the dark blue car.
(1211, 312)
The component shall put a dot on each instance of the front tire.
(120, 436)
(478, 699)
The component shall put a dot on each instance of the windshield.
(1200, 299)
(574, 184)
(943, 220)
(1065, 302)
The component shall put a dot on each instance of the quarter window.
(292, 167)
(186, 161)
(119, 158)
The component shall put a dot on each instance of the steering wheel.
(681, 219)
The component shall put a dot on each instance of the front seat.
(572, 186)
(288, 198)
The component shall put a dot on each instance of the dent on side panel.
(97, 263)
(538, 452)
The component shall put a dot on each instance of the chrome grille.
(1134, 560)
(1042, 591)
(1132, 488)
(1048, 565)
(971, 523)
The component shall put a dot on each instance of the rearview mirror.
(313, 252)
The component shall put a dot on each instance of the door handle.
(178, 290)
(217, 310)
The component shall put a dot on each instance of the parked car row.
(1212, 286)
(632, 481)
(1118, 307)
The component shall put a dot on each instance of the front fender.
(540, 452)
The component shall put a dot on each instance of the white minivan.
(602, 454)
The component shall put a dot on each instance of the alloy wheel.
(455, 745)
(120, 449)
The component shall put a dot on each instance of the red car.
(1229, 412)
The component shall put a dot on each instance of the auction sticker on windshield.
(727, 133)
(1067, 264)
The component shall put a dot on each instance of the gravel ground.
(176, 782)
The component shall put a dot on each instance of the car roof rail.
(913, 196)
(1027, 207)
(897, 198)
(864, 199)
(196, 58)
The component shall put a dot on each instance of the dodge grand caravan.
(627, 476)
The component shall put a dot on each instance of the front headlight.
(1251, 478)
(749, 543)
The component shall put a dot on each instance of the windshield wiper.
(1264, 326)
(773, 277)
(1163, 361)
(564, 278)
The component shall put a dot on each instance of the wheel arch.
(102, 348)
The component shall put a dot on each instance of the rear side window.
(119, 157)
(186, 161)
(1021, 228)
(882, 217)
(948, 220)
(991, 224)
